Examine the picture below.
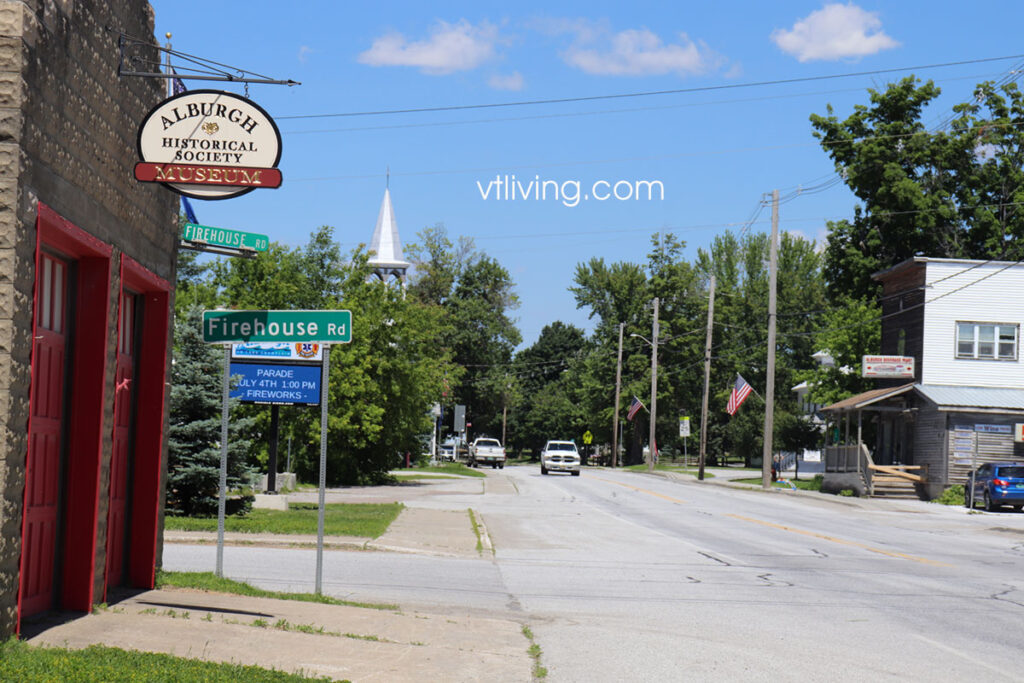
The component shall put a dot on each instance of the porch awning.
(867, 398)
(960, 397)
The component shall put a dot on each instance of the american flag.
(739, 394)
(190, 213)
(177, 87)
(634, 408)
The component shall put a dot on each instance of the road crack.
(712, 557)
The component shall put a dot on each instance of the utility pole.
(504, 409)
(618, 388)
(707, 381)
(769, 389)
(654, 389)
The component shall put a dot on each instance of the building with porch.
(87, 259)
(960, 320)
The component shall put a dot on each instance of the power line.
(1010, 75)
(596, 112)
(835, 178)
(650, 93)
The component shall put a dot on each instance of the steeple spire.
(387, 258)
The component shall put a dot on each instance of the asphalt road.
(625, 576)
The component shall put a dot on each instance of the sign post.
(322, 327)
(684, 431)
(323, 470)
(222, 497)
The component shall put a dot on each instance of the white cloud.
(834, 32)
(735, 71)
(640, 52)
(449, 48)
(585, 30)
(513, 81)
(304, 52)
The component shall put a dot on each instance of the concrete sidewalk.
(354, 643)
(448, 533)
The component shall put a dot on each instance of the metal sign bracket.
(138, 57)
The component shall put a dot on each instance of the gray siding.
(930, 442)
(987, 446)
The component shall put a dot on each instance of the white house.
(960, 320)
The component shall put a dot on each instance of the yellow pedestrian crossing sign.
(587, 438)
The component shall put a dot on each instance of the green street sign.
(222, 237)
(326, 327)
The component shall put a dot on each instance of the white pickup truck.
(486, 451)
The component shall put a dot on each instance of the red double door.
(44, 473)
(121, 457)
(47, 478)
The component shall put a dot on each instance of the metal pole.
(223, 486)
(618, 388)
(324, 382)
(974, 464)
(272, 449)
(289, 467)
(167, 70)
(504, 414)
(769, 390)
(707, 381)
(654, 389)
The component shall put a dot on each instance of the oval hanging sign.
(209, 144)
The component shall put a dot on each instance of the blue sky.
(715, 153)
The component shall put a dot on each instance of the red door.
(43, 467)
(120, 464)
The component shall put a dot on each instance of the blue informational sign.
(276, 384)
(278, 352)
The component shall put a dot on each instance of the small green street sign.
(222, 237)
(326, 327)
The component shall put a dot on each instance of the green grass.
(954, 495)
(668, 467)
(802, 484)
(451, 468)
(368, 520)
(22, 662)
(402, 476)
(208, 581)
(539, 672)
(476, 530)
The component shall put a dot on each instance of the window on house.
(986, 341)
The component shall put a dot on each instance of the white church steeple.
(387, 258)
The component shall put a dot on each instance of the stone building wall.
(68, 127)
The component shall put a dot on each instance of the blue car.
(996, 484)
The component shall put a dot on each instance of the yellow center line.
(842, 541)
(639, 490)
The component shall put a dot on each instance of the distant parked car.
(560, 456)
(446, 451)
(486, 451)
(996, 484)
